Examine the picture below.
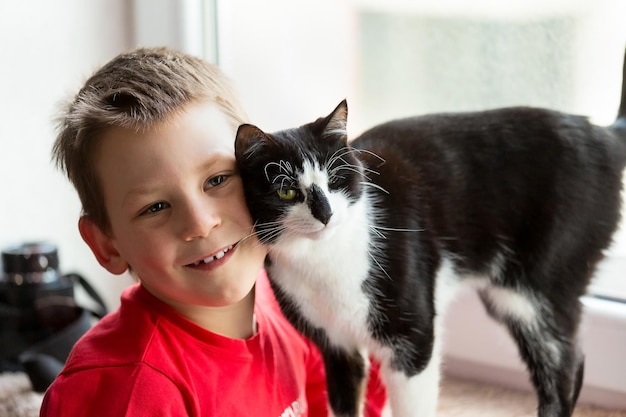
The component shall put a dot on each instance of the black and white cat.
(368, 239)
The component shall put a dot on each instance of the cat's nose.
(318, 204)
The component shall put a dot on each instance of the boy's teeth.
(218, 255)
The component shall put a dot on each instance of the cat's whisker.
(253, 234)
(282, 183)
(348, 167)
(369, 171)
(286, 166)
(375, 260)
(377, 232)
(371, 153)
(337, 155)
(282, 177)
(361, 170)
(284, 169)
(273, 229)
(371, 184)
(392, 229)
(333, 161)
(265, 232)
(301, 225)
(267, 166)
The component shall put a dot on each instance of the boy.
(148, 144)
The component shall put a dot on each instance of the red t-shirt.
(147, 360)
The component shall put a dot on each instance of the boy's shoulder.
(119, 338)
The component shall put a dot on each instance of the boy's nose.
(198, 221)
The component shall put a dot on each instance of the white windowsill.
(611, 277)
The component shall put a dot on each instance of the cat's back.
(492, 173)
(527, 143)
(516, 128)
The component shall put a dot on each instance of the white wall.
(292, 61)
(48, 48)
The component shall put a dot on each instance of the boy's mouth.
(218, 255)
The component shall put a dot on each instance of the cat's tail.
(619, 126)
(620, 122)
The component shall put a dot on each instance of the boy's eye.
(156, 207)
(287, 193)
(215, 181)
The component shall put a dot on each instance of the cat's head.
(299, 182)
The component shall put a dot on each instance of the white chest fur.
(324, 275)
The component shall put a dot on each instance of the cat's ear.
(337, 121)
(249, 139)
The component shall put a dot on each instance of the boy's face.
(177, 211)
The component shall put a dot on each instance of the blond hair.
(135, 90)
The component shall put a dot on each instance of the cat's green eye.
(287, 193)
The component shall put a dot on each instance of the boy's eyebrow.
(141, 190)
(149, 188)
(138, 192)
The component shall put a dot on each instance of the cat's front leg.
(346, 375)
(414, 394)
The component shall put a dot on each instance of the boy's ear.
(102, 246)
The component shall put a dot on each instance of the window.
(428, 60)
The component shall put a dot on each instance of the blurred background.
(293, 61)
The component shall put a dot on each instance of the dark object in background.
(39, 318)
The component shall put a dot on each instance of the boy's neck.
(235, 321)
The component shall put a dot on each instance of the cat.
(368, 239)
